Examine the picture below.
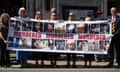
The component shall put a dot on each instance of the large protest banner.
(91, 37)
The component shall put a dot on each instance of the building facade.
(79, 7)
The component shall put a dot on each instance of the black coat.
(117, 26)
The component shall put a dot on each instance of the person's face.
(37, 26)
(71, 17)
(105, 28)
(53, 17)
(37, 43)
(50, 27)
(39, 16)
(113, 11)
(25, 42)
(81, 28)
(5, 20)
(22, 14)
(71, 45)
(88, 19)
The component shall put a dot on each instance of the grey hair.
(20, 10)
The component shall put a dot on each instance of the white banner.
(91, 37)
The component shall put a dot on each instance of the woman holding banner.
(4, 53)
(22, 56)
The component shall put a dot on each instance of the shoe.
(73, 66)
(118, 66)
(8, 65)
(23, 65)
(68, 65)
(110, 65)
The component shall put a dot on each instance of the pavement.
(61, 63)
(59, 70)
(61, 66)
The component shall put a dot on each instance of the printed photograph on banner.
(102, 45)
(27, 26)
(48, 27)
(11, 28)
(13, 42)
(25, 43)
(107, 44)
(93, 45)
(60, 44)
(18, 26)
(82, 28)
(94, 28)
(36, 44)
(60, 28)
(71, 28)
(37, 27)
(47, 44)
(104, 28)
(82, 45)
(71, 45)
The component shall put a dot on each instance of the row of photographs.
(50, 44)
(60, 28)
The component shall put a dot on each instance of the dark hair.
(82, 18)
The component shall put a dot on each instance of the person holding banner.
(22, 56)
(38, 26)
(115, 42)
(104, 30)
(38, 15)
(89, 57)
(53, 16)
(71, 17)
(4, 53)
(53, 56)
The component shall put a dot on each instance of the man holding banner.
(115, 21)
(71, 17)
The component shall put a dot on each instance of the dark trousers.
(4, 54)
(54, 57)
(115, 43)
(71, 57)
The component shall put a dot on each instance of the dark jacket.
(117, 26)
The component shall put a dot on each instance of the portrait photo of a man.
(37, 27)
(49, 27)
